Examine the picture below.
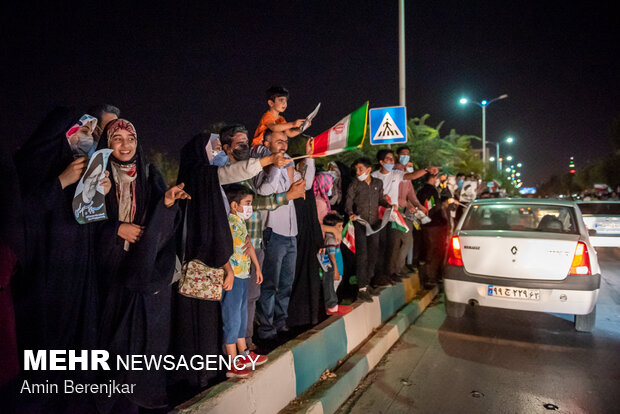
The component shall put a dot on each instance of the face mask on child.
(404, 159)
(246, 213)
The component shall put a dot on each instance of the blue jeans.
(278, 276)
(235, 311)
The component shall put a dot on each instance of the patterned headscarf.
(322, 183)
(120, 123)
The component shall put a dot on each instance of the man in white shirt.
(280, 240)
(391, 182)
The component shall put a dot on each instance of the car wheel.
(454, 309)
(585, 323)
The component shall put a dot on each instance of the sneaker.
(373, 291)
(344, 309)
(251, 356)
(364, 296)
(340, 310)
(238, 373)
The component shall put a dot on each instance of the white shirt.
(391, 181)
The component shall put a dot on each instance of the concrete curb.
(328, 396)
(297, 365)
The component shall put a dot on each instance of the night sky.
(175, 70)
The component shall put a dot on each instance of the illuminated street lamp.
(483, 105)
(508, 140)
(509, 158)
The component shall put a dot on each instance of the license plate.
(513, 292)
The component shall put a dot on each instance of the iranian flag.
(347, 134)
(397, 220)
(348, 236)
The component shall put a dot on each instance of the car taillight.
(581, 261)
(454, 254)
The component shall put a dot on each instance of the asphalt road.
(502, 361)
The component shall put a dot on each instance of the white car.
(524, 254)
(602, 219)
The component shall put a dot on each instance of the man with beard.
(280, 241)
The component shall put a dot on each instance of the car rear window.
(521, 217)
(606, 209)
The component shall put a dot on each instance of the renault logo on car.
(514, 250)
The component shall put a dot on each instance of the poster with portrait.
(89, 200)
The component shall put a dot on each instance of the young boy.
(277, 99)
(235, 294)
(331, 277)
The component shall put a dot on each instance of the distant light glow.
(509, 158)
(484, 102)
(519, 165)
(492, 159)
(509, 140)
(463, 101)
(507, 169)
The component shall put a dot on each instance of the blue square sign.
(388, 125)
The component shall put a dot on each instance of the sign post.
(388, 125)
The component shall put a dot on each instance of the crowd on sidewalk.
(265, 223)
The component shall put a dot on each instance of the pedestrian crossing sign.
(388, 125)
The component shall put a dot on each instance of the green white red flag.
(348, 236)
(347, 134)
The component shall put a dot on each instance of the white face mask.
(363, 176)
(246, 213)
(410, 169)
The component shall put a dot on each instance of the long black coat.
(55, 290)
(306, 306)
(135, 317)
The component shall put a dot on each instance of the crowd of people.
(270, 223)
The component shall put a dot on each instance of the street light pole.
(401, 53)
(484, 137)
(483, 105)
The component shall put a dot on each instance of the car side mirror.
(591, 232)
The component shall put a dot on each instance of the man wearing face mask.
(391, 179)
(364, 196)
(408, 205)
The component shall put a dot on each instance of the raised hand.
(73, 172)
(175, 193)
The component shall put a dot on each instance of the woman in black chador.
(135, 263)
(55, 289)
(197, 324)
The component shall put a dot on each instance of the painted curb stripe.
(318, 353)
(369, 355)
